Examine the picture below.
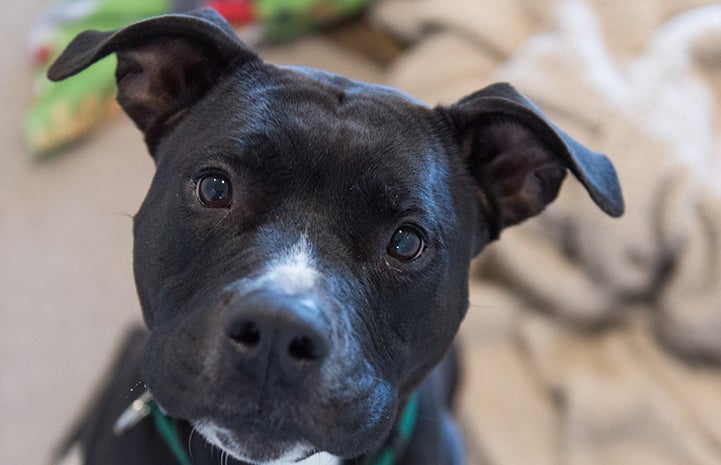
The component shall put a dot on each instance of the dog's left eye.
(214, 191)
(406, 244)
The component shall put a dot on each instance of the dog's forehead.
(315, 101)
(305, 125)
(303, 76)
(274, 97)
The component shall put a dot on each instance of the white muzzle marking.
(294, 272)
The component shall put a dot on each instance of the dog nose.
(277, 335)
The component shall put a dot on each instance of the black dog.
(302, 255)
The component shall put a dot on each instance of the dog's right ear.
(165, 64)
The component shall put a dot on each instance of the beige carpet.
(66, 287)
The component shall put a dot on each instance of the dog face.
(334, 211)
(302, 254)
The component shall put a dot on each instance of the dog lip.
(247, 451)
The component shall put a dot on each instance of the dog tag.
(135, 412)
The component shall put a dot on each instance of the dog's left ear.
(518, 158)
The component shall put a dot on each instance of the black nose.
(277, 336)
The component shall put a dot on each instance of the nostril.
(302, 349)
(247, 335)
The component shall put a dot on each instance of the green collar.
(400, 436)
(166, 427)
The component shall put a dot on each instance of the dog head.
(302, 254)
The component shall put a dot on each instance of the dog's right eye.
(214, 191)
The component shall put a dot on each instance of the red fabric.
(235, 11)
(42, 55)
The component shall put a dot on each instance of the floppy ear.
(518, 158)
(165, 64)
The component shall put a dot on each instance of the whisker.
(125, 214)
(131, 392)
(190, 443)
(486, 306)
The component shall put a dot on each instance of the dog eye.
(406, 244)
(214, 191)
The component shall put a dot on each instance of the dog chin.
(225, 440)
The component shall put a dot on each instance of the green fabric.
(285, 19)
(65, 111)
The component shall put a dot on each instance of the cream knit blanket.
(592, 340)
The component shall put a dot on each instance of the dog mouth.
(280, 433)
(252, 448)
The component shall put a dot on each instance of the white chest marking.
(225, 441)
(322, 458)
